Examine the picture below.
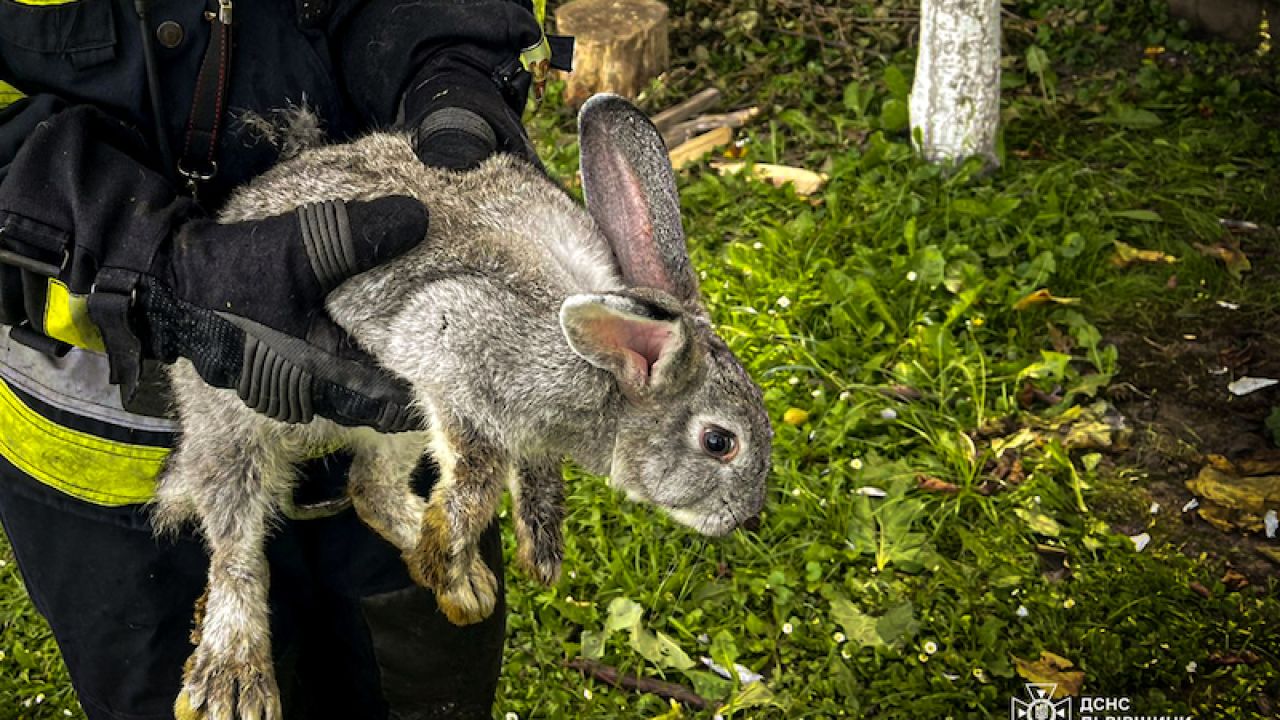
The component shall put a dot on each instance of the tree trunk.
(955, 99)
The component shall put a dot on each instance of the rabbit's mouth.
(715, 524)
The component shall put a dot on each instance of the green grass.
(901, 275)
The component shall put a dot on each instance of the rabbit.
(529, 330)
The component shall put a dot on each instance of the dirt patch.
(1172, 386)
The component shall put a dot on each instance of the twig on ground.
(681, 132)
(612, 676)
(703, 101)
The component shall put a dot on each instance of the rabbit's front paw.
(470, 595)
(216, 686)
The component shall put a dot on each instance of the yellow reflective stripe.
(66, 318)
(103, 472)
(9, 95)
(44, 3)
(539, 12)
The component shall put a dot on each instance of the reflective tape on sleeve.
(93, 469)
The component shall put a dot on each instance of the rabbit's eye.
(719, 443)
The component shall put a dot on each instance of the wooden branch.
(692, 151)
(699, 103)
(611, 676)
(687, 129)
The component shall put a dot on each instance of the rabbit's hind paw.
(471, 596)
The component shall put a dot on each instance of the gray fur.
(482, 319)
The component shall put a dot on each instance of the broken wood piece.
(805, 182)
(699, 103)
(690, 152)
(611, 676)
(681, 132)
(620, 45)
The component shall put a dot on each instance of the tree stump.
(620, 46)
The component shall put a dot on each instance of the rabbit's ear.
(631, 194)
(643, 345)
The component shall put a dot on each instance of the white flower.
(793, 380)
(511, 716)
(844, 653)
(1192, 504)
(856, 463)
(888, 414)
(1141, 541)
(757, 246)
(844, 395)
(1192, 666)
(912, 276)
(784, 302)
(39, 698)
(839, 637)
(586, 693)
(1155, 508)
(787, 628)
(1068, 603)
(930, 647)
(816, 393)
(795, 492)
(1022, 611)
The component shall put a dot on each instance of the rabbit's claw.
(216, 686)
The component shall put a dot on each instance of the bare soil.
(1172, 386)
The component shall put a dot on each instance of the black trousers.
(352, 636)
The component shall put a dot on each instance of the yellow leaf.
(1127, 255)
(806, 182)
(1042, 296)
(795, 416)
(1232, 257)
(675, 713)
(1054, 669)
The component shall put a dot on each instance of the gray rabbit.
(529, 331)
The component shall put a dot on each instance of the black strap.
(198, 163)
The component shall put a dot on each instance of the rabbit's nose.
(751, 524)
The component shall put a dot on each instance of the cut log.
(1236, 20)
(620, 46)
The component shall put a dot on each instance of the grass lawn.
(966, 473)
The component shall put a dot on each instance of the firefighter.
(124, 125)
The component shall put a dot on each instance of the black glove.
(243, 302)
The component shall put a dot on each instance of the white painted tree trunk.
(955, 98)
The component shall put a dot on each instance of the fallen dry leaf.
(1235, 581)
(929, 483)
(806, 182)
(1200, 590)
(1042, 296)
(1051, 668)
(1126, 255)
(1246, 657)
(1230, 254)
(1230, 501)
